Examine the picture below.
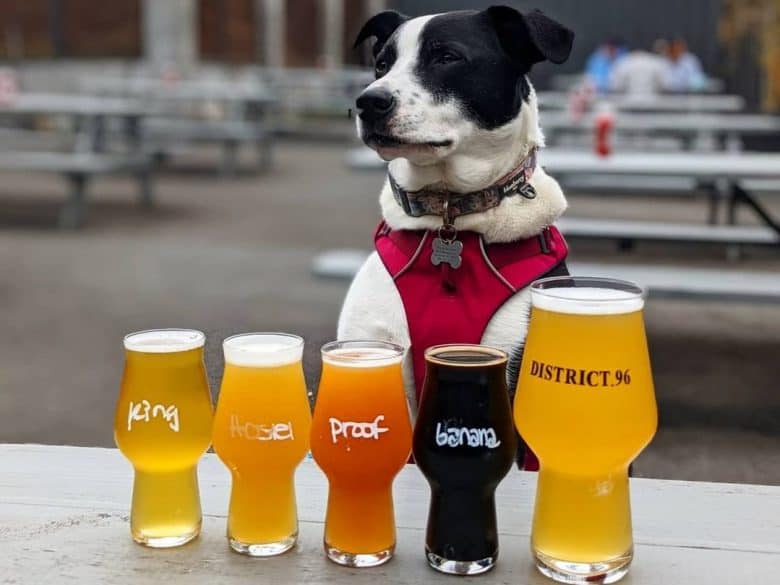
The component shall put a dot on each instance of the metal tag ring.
(448, 233)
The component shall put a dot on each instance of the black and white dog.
(453, 110)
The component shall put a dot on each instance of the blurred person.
(684, 71)
(661, 47)
(598, 68)
(639, 73)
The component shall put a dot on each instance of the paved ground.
(233, 255)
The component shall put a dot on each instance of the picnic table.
(709, 165)
(181, 89)
(90, 156)
(64, 517)
(89, 115)
(66, 103)
(664, 102)
(723, 173)
(698, 129)
(701, 165)
(325, 92)
(228, 113)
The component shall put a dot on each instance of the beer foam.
(587, 300)
(164, 340)
(465, 355)
(262, 350)
(363, 357)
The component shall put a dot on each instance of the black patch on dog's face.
(461, 57)
(386, 58)
(380, 27)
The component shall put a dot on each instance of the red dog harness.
(448, 305)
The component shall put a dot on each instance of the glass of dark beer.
(464, 444)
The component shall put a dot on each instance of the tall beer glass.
(585, 405)
(163, 426)
(464, 443)
(361, 438)
(261, 432)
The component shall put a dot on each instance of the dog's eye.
(380, 68)
(447, 57)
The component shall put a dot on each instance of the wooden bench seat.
(79, 169)
(694, 283)
(761, 185)
(577, 227)
(667, 281)
(204, 130)
(644, 185)
(628, 185)
(72, 162)
(161, 133)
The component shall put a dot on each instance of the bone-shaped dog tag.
(447, 252)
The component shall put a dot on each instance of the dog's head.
(444, 80)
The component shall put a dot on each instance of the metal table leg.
(740, 196)
(73, 212)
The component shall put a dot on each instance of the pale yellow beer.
(261, 432)
(585, 405)
(163, 426)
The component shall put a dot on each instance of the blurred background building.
(273, 33)
(54, 40)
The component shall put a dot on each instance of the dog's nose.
(375, 104)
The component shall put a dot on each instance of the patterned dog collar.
(432, 202)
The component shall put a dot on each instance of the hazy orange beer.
(261, 432)
(585, 405)
(163, 426)
(361, 438)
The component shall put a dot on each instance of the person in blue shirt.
(598, 68)
(684, 71)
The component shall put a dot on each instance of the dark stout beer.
(464, 444)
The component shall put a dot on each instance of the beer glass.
(361, 438)
(163, 426)
(585, 405)
(261, 433)
(464, 444)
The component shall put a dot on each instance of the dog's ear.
(532, 37)
(380, 26)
